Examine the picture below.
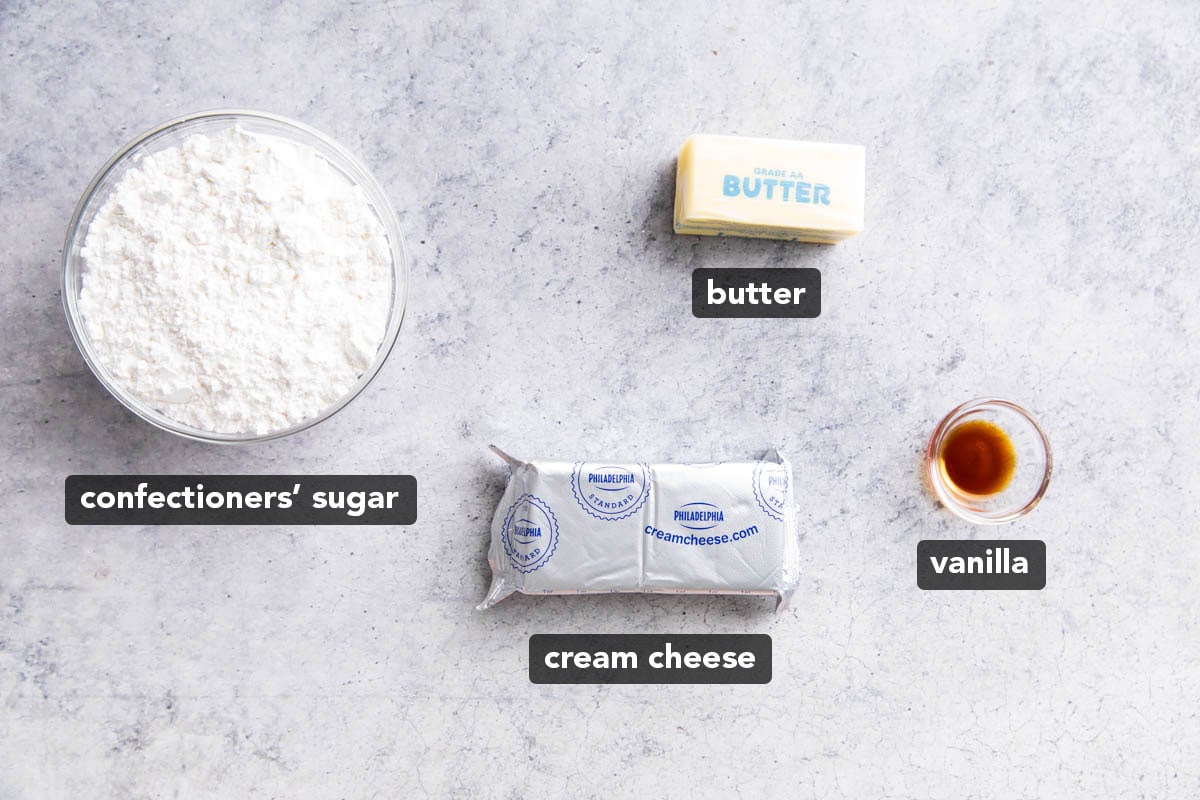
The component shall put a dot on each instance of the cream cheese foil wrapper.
(589, 527)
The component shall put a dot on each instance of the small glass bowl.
(171, 134)
(1030, 477)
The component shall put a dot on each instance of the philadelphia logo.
(529, 533)
(611, 479)
(526, 531)
(699, 516)
(610, 491)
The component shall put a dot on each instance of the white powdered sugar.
(238, 283)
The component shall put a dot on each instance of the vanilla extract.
(978, 457)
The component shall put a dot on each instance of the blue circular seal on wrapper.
(529, 533)
(771, 488)
(610, 492)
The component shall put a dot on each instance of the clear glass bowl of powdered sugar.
(234, 276)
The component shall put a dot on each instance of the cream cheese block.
(769, 188)
(595, 527)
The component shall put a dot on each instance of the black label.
(981, 564)
(767, 292)
(650, 658)
(241, 500)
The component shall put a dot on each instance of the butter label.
(801, 191)
(756, 292)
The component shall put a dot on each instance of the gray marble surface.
(1034, 188)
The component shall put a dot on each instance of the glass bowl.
(172, 134)
(1030, 477)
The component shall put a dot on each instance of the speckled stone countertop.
(1032, 206)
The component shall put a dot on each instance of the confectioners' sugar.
(238, 282)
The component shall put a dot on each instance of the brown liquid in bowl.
(978, 457)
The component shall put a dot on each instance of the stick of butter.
(769, 188)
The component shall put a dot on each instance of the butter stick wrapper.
(770, 189)
(589, 527)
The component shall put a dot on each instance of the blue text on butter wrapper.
(777, 189)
